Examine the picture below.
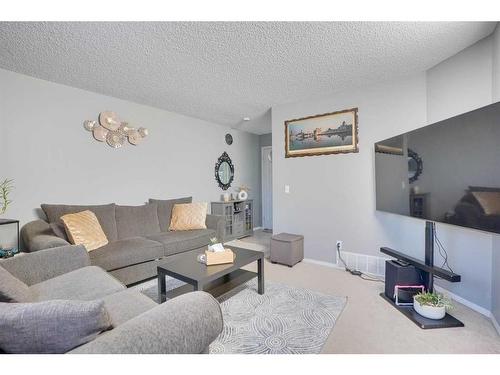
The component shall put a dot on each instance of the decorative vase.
(242, 195)
(431, 312)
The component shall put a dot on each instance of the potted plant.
(5, 189)
(431, 305)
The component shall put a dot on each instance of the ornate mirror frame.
(418, 160)
(224, 158)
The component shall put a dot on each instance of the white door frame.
(266, 211)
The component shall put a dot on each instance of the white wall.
(461, 83)
(54, 160)
(333, 197)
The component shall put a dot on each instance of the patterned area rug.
(285, 320)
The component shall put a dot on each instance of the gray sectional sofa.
(186, 324)
(138, 236)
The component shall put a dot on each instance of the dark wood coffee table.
(216, 280)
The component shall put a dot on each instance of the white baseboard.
(495, 323)
(463, 301)
(323, 263)
(257, 228)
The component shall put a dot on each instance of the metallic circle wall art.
(109, 120)
(143, 132)
(115, 139)
(89, 125)
(134, 137)
(99, 133)
(114, 132)
(124, 128)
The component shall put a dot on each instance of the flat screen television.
(445, 172)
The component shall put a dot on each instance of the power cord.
(354, 272)
(442, 250)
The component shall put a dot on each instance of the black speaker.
(396, 274)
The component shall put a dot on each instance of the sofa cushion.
(85, 284)
(125, 305)
(123, 253)
(83, 228)
(165, 210)
(104, 213)
(177, 242)
(133, 221)
(50, 326)
(189, 216)
(12, 289)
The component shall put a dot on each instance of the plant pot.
(431, 312)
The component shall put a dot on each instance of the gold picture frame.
(328, 133)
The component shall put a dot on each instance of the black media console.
(428, 270)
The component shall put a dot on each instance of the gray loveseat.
(138, 236)
(186, 324)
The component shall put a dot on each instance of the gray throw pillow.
(59, 231)
(12, 289)
(165, 210)
(55, 326)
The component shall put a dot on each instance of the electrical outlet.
(287, 189)
(339, 245)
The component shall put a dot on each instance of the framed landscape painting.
(329, 133)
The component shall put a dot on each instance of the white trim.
(465, 302)
(257, 228)
(323, 263)
(262, 175)
(495, 323)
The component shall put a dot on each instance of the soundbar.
(436, 271)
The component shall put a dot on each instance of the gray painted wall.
(266, 140)
(53, 159)
(333, 197)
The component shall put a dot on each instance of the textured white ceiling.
(222, 72)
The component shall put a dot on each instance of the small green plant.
(5, 189)
(214, 240)
(433, 299)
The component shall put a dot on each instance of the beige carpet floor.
(370, 325)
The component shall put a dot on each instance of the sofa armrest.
(33, 268)
(38, 235)
(184, 325)
(216, 222)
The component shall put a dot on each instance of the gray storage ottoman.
(287, 248)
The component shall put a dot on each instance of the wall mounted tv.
(446, 172)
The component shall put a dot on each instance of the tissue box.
(220, 257)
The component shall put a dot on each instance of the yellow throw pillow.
(189, 216)
(83, 228)
(489, 201)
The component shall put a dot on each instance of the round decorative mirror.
(224, 171)
(415, 166)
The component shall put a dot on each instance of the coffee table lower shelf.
(217, 287)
